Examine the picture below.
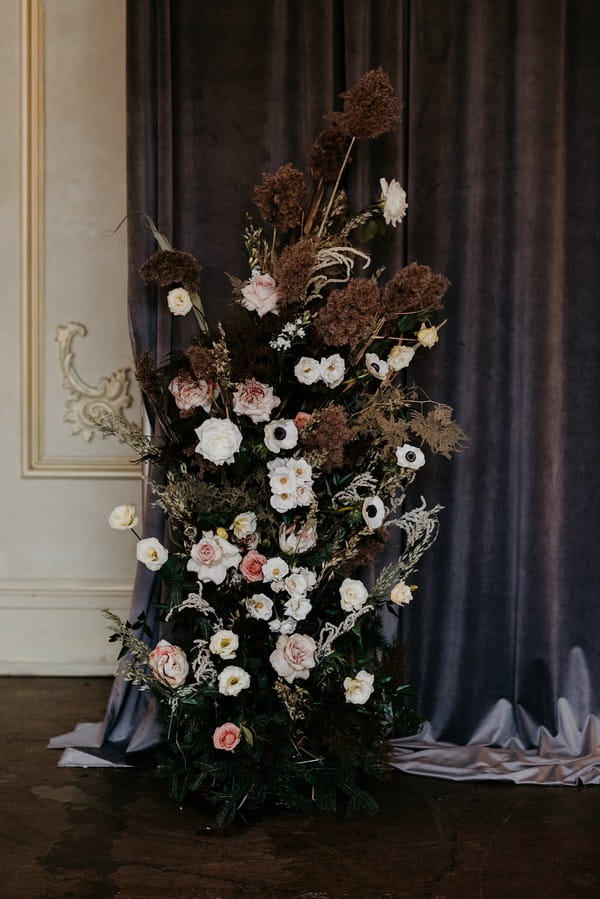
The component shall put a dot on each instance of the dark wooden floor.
(98, 833)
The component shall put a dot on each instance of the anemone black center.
(279, 433)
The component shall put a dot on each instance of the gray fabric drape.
(498, 154)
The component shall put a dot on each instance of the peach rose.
(302, 419)
(226, 736)
(251, 566)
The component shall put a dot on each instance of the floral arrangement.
(286, 459)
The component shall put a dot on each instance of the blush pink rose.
(302, 419)
(226, 736)
(260, 295)
(294, 656)
(168, 664)
(189, 394)
(251, 566)
(254, 399)
(207, 552)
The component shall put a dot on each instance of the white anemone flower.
(281, 434)
(409, 456)
(376, 366)
(373, 512)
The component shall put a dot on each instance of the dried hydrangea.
(147, 378)
(293, 270)
(370, 107)
(413, 289)
(349, 313)
(328, 433)
(281, 197)
(166, 267)
(328, 153)
(202, 361)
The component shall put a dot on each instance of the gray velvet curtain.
(499, 156)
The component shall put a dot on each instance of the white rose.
(427, 337)
(376, 366)
(284, 502)
(394, 201)
(259, 606)
(260, 294)
(333, 369)
(168, 664)
(218, 440)
(294, 656)
(307, 370)
(409, 456)
(179, 301)
(211, 558)
(282, 477)
(224, 644)
(275, 569)
(151, 553)
(373, 512)
(401, 594)
(353, 595)
(244, 525)
(281, 434)
(400, 357)
(302, 471)
(232, 680)
(255, 400)
(358, 688)
(122, 518)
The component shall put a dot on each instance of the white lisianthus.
(373, 512)
(393, 197)
(307, 370)
(275, 569)
(281, 434)
(295, 539)
(376, 366)
(122, 518)
(259, 606)
(260, 294)
(353, 594)
(232, 680)
(179, 301)
(212, 557)
(400, 357)
(359, 688)
(294, 656)
(427, 337)
(333, 369)
(151, 553)
(401, 594)
(244, 525)
(224, 644)
(168, 664)
(409, 456)
(298, 607)
(218, 440)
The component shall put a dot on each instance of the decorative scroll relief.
(111, 394)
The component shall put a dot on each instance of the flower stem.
(336, 185)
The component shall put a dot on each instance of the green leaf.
(248, 735)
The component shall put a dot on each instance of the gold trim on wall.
(35, 462)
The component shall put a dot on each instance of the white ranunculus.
(394, 201)
(283, 502)
(151, 553)
(427, 337)
(122, 518)
(400, 357)
(282, 478)
(260, 294)
(302, 471)
(244, 525)
(307, 370)
(353, 594)
(168, 664)
(401, 594)
(376, 366)
(212, 557)
(218, 440)
(358, 688)
(373, 512)
(333, 369)
(260, 606)
(179, 301)
(281, 434)
(232, 680)
(294, 656)
(275, 569)
(409, 456)
(298, 607)
(224, 644)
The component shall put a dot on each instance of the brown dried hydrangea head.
(148, 379)
(293, 269)
(349, 314)
(168, 267)
(328, 153)
(281, 197)
(203, 362)
(413, 289)
(328, 433)
(367, 551)
(370, 107)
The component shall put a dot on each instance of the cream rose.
(293, 656)
(179, 301)
(393, 197)
(224, 644)
(226, 736)
(359, 688)
(427, 337)
(168, 664)
(255, 400)
(244, 525)
(353, 594)
(151, 553)
(401, 594)
(232, 680)
(122, 518)
(400, 357)
(307, 370)
(218, 440)
(260, 294)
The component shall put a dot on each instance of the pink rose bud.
(226, 736)
(302, 419)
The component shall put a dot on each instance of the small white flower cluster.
(290, 332)
(330, 370)
(291, 483)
